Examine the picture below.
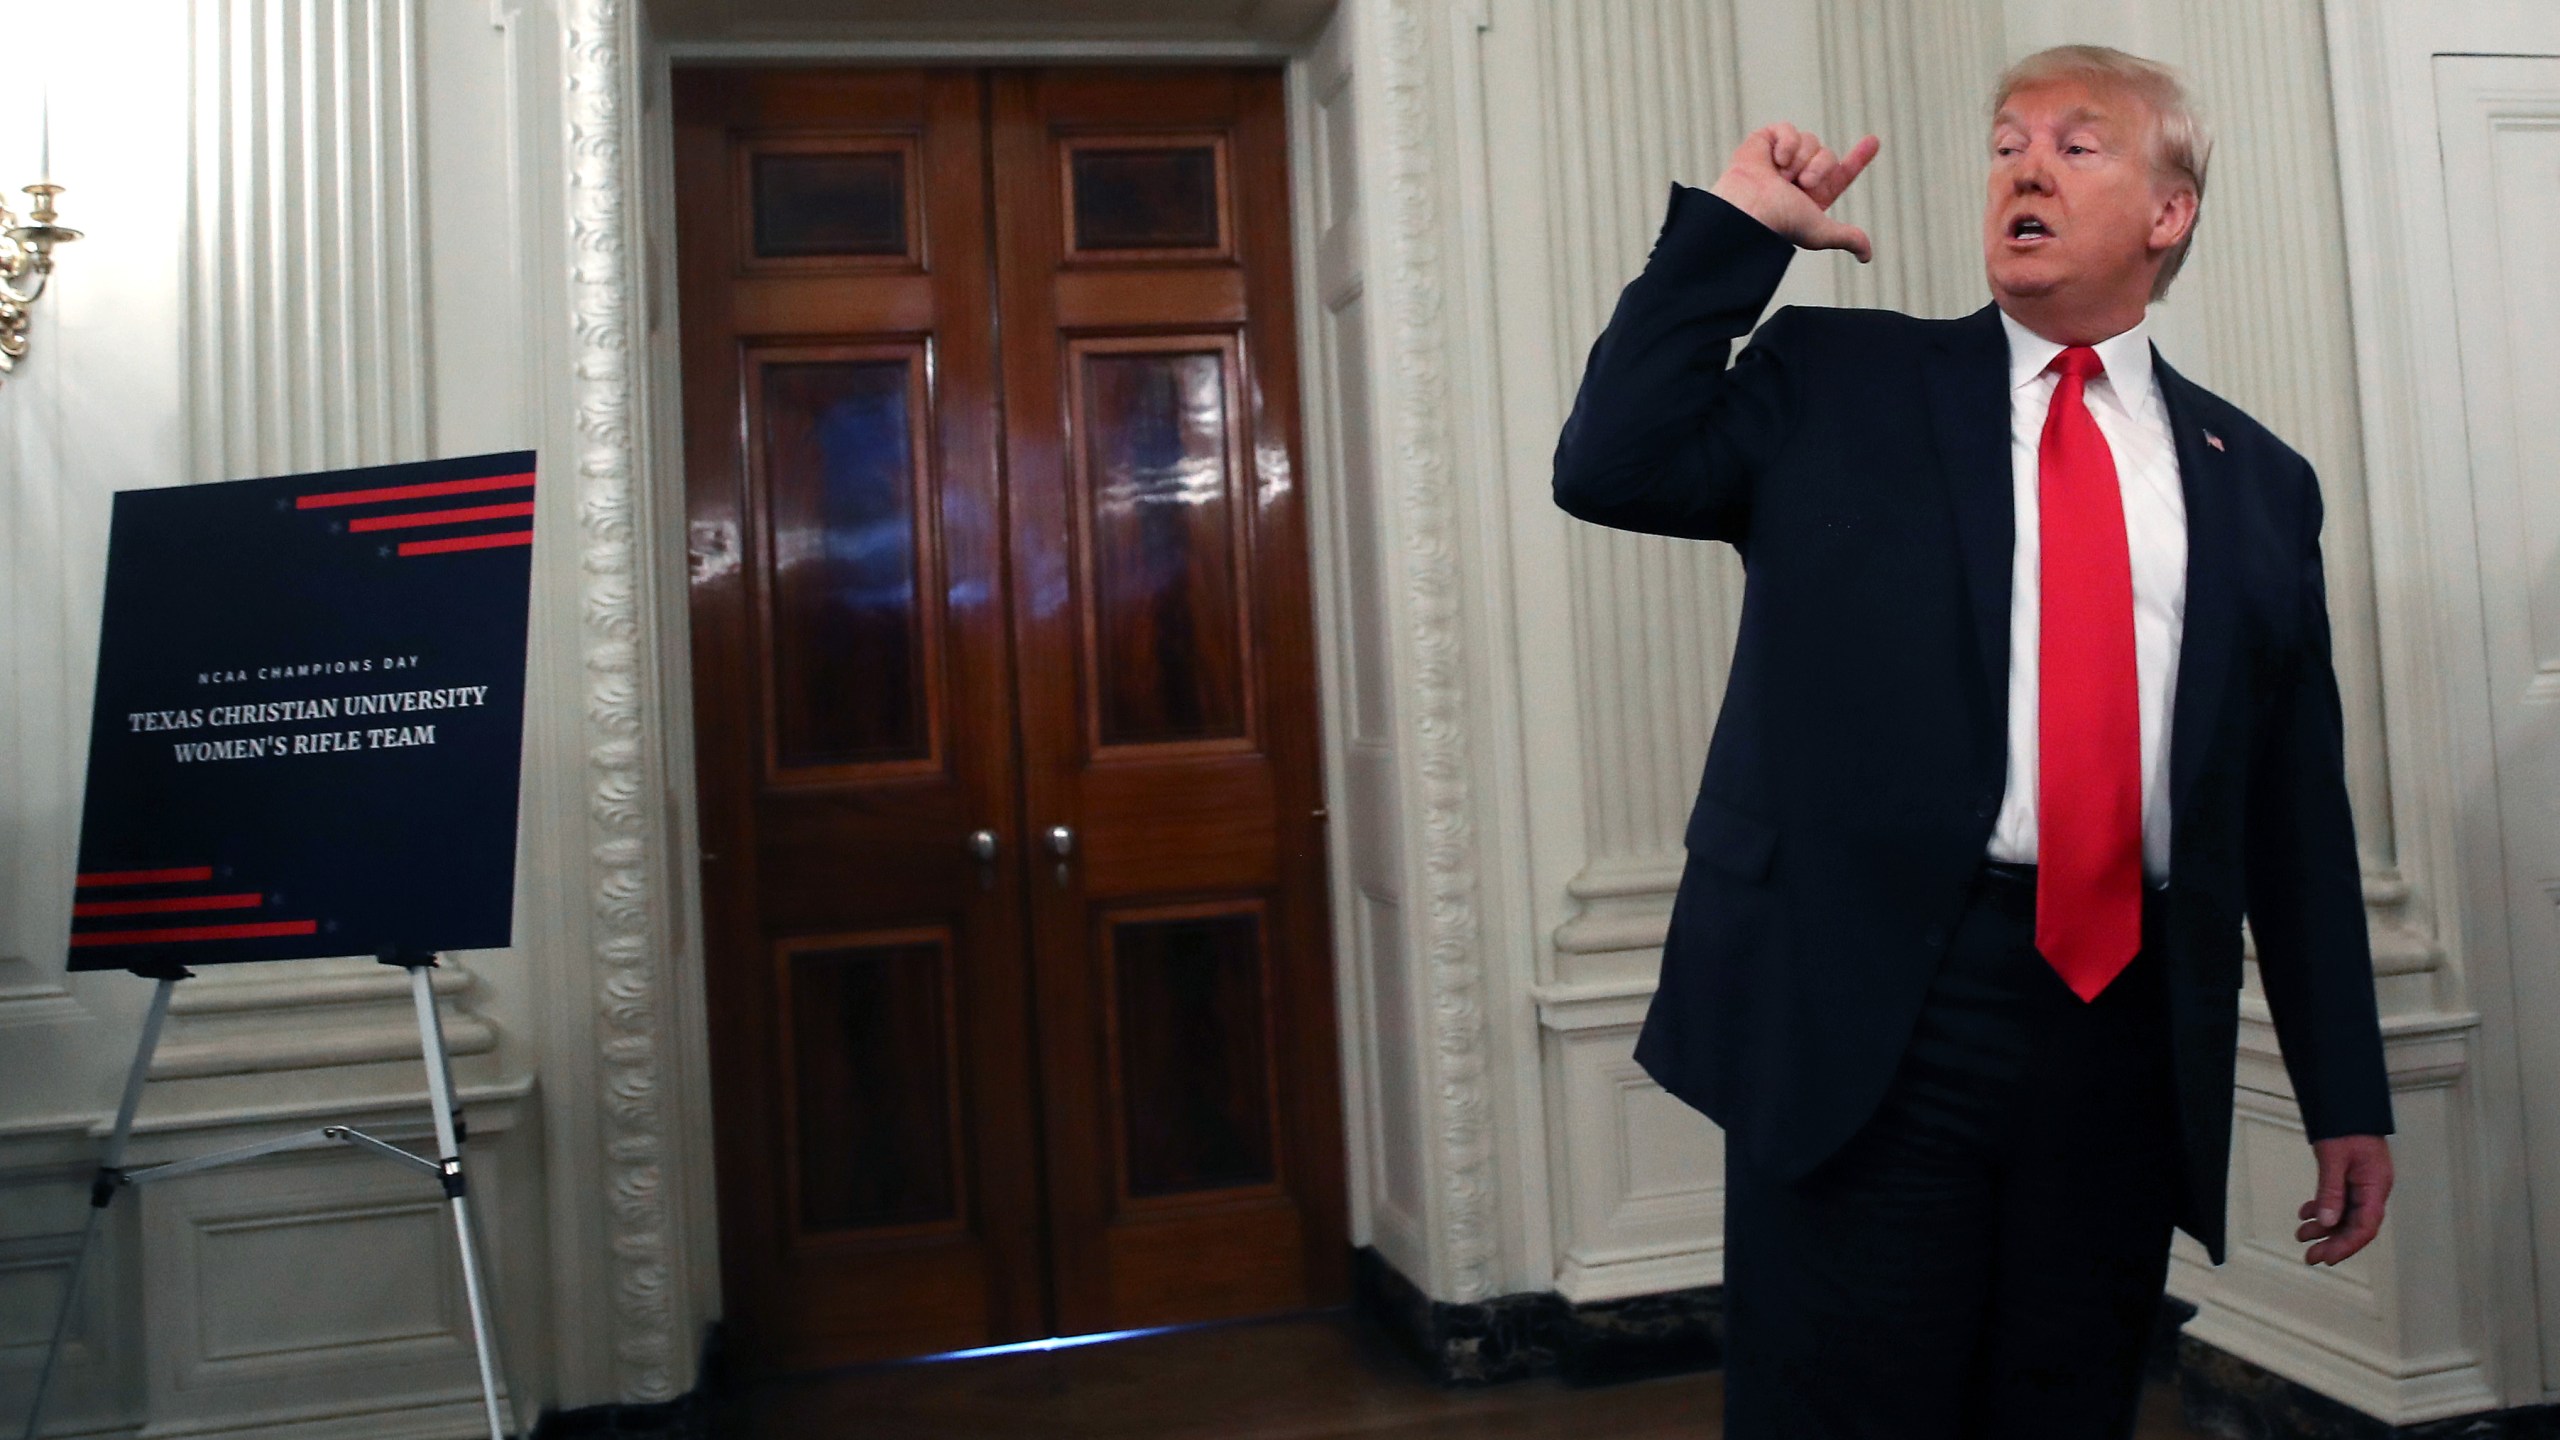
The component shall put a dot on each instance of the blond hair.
(2180, 146)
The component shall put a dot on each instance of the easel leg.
(103, 1189)
(449, 1157)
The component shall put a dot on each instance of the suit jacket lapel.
(1969, 395)
(2204, 645)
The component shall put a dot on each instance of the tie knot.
(2078, 362)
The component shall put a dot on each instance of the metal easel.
(446, 1168)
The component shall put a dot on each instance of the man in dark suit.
(2031, 703)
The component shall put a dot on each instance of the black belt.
(2010, 886)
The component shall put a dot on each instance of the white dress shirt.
(2127, 405)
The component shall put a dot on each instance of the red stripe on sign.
(251, 931)
(176, 876)
(413, 518)
(328, 498)
(174, 902)
(467, 542)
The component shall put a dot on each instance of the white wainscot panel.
(2388, 1330)
(1402, 1163)
(1639, 1176)
(313, 1295)
(44, 1200)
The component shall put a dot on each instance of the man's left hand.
(2355, 1179)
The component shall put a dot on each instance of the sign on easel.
(306, 742)
(309, 714)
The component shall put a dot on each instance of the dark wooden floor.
(1301, 1378)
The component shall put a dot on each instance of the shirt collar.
(2126, 356)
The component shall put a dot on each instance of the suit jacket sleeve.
(1662, 437)
(2305, 884)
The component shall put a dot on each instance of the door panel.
(1147, 196)
(878, 1163)
(1194, 1097)
(1166, 684)
(872, 1109)
(2498, 129)
(836, 489)
(825, 201)
(1164, 557)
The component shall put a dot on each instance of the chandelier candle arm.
(26, 250)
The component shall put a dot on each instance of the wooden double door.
(1020, 1001)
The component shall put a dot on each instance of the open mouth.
(2029, 228)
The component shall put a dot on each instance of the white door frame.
(659, 507)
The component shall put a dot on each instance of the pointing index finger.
(1853, 164)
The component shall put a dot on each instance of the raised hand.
(1787, 180)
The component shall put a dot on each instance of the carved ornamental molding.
(630, 1013)
(1415, 291)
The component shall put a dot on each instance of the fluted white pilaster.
(1632, 95)
(1641, 92)
(1917, 74)
(306, 313)
(306, 349)
(2267, 281)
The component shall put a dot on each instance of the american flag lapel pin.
(2213, 440)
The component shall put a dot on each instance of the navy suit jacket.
(1859, 462)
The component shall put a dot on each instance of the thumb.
(2331, 1203)
(1829, 234)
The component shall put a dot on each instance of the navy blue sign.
(309, 717)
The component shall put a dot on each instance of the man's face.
(2075, 206)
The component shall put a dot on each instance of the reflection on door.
(1013, 872)
(844, 573)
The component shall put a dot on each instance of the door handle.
(1062, 844)
(982, 843)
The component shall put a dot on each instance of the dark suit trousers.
(1984, 1258)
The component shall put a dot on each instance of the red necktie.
(2088, 725)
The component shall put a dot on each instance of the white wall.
(1516, 705)
(93, 408)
